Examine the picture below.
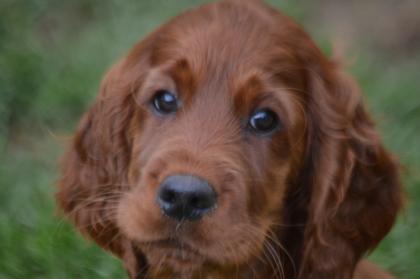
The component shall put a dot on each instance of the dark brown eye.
(165, 102)
(263, 121)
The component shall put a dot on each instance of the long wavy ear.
(94, 168)
(354, 183)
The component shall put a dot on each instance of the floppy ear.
(94, 168)
(354, 183)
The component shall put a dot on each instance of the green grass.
(52, 57)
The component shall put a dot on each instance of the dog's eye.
(165, 102)
(263, 121)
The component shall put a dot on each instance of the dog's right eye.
(165, 102)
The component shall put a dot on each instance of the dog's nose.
(186, 197)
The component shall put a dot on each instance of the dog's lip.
(172, 244)
(174, 251)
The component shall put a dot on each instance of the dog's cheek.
(126, 216)
(136, 215)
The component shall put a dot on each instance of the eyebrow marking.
(256, 93)
(183, 77)
(246, 96)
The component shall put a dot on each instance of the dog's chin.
(172, 259)
(169, 256)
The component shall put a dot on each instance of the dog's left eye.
(263, 121)
(165, 102)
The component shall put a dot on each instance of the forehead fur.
(249, 38)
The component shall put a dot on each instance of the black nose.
(186, 197)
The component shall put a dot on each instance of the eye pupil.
(263, 121)
(165, 102)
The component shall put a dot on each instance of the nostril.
(202, 202)
(168, 196)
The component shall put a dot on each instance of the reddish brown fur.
(307, 202)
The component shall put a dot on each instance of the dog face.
(214, 106)
(213, 137)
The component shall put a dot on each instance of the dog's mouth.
(173, 254)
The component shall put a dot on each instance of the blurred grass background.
(53, 55)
